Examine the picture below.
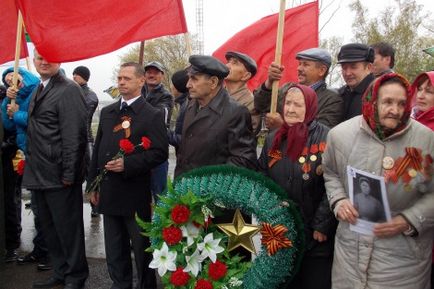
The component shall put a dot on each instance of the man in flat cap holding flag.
(216, 130)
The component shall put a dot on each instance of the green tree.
(401, 25)
(171, 51)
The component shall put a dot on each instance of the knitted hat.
(83, 71)
(179, 80)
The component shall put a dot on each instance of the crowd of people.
(377, 123)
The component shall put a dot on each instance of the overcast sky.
(222, 19)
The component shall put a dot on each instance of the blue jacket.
(18, 123)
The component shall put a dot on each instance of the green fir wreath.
(233, 187)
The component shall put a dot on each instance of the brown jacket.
(245, 97)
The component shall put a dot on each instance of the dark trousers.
(120, 233)
(40, 250)
(159, 179)
(12, 203)
(61, 216)
(314, 273)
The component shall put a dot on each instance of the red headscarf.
(370, 107)
(297, 134)
(424, 117)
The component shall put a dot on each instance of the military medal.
(388, 163)
(313, 158)
(412, 173)
(305, 176)
(301, 160)
(407, 188)
(125, 124)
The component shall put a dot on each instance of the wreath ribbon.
(274, 238)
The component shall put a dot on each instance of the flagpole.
(17, 52)
(142, 50)
(187, 40)
(278, 55)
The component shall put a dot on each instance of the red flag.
(8, 32)
(65, 30)
(259, 41)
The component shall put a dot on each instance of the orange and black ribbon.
(119, 126)
(275, 156)
(412, 160)
(273, 238)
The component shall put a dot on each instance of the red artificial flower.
(180, 214)
(179, 277)
(20, 167)
(203, 284)
(172, 235)
(146, 143)
(217, 270)
(126, 146)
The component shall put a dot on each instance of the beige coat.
(362, 261)
(245, 97)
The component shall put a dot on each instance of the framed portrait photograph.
(369, 197)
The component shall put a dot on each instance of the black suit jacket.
(127, 193)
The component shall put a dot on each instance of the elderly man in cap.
(216, 129)
(356, 61)
(241, 69)
(81, 75)
(313, 67)
(159, 97)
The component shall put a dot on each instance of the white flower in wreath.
(191, 232)
(210, 247)
(163, 260)
(194, 263)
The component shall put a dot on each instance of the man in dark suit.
(56, 142)
(125, 189)
(216, 130)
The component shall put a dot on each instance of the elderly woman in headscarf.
(423, 111)
(386, 142)
(291, 156)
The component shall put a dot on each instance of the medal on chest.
(125, 124)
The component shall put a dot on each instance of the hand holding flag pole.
(278, 54)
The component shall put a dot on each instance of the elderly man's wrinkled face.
(309, 71)
(391, 103)
(354, 72)
(425, 96)
(294, 110)
(237, 71)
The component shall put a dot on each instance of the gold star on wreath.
(239, 233)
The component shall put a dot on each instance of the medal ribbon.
(274, 238)
(275, 156)
(412, 159)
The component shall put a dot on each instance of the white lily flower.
(191, 232)
(210, 247)
(194, 263)
(163, 260)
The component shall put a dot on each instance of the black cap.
(355, 52)
(156, 65)
(179, 80)
(316, 54)
(208, 65)
(83, 71)
(248, 62)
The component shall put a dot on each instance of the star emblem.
(240, 233)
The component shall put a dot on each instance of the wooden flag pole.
(17, 52)
(278, 54)
(142, 50)
(187, 40)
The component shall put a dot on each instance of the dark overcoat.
(128, 192)
(219, 133)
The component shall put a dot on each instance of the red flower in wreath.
(20, 167)
(179, 277)
(203, 284)
(126, 146)
(172, 235)
(146, 143)
(180, 214)
(217, 270)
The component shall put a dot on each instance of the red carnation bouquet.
(126, 147)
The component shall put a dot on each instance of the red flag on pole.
(259, 41)
(65, 30)
(8, 32)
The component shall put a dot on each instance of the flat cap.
(248, 62)
(355, 52)
(208, 65)
(316, 54)
(156, 65)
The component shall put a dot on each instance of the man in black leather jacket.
(56, 143)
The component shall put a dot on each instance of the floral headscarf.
(297, 134)
(370, 107)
